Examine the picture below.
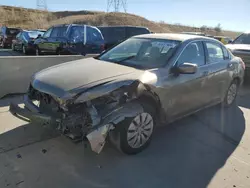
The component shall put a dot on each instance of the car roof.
(173, 36)
(130, 26)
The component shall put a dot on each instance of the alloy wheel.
(231, 94)
(140, 130)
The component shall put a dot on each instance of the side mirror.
(187, 68)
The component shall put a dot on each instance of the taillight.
(242, 64)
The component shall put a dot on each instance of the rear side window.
(12, 31)
(225, 52)
(77, 33)
(94, 34)
(59, 32)
(132, 31)
(215, 53)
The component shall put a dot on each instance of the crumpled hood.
(238, 46)
(77, 75)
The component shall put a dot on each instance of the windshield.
(143, 53)
(34, 34)
(242, 39)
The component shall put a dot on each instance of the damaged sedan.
(123, 93)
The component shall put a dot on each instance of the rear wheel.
(38, 51)
(24, 49)
(13, 47)
(134, 134)
(231, 93)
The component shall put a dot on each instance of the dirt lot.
(209, 149)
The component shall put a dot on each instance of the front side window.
(141, 53)
(242, 39)
(47, 33)
(215, 53)
(193, 53)
(18, 35)
(59, 32)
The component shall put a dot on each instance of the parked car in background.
(223, 39)
(7, 35)
(194, 33)
(124, 92)
(70, 39)
(241, 47)
(24, 41)
(115, 34)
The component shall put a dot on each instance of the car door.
(219, 74)
(56, 39)
(16, 41)
(43, 44)
(186, 92)
(95, 41)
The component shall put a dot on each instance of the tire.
(129, 141)
(24, 50)
(58, 51)
(13, 47)
(231, 94)
(38, 52)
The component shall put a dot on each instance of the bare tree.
(218, 28)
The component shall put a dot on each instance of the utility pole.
(41, 4)
(115, 5)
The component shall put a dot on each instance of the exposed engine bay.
(91, 119)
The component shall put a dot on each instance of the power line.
(41, 4)
(115, 5)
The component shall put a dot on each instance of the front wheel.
(231, 94)
(135, 134)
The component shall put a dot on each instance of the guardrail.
(16, 71)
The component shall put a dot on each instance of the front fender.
(101, 90)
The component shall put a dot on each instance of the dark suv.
(7, 35)
(70, 39)
(115, 34)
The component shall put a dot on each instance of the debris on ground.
(99, 166)
(234, 186)
(44, 150)
(19, 182)
(235, 170)
(19, 156)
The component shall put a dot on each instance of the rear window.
(34, 34)
(12, 31)
(136, 31)
(59, 32)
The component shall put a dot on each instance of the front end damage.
(90, 115)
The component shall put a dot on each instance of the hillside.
(31, 19)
